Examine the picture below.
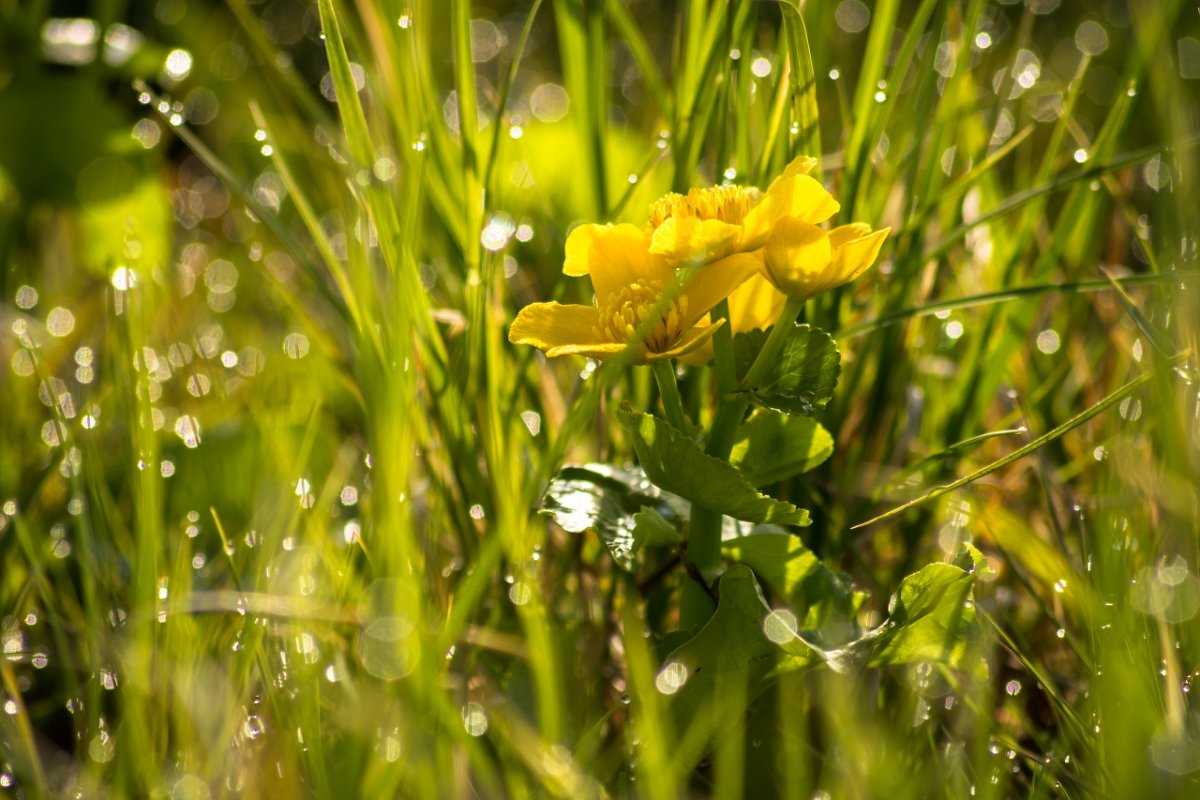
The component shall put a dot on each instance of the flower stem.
(780, 331)
(723, 350)
(664, 374)
(704, 533)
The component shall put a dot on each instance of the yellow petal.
(797, 256)
(690, 240)
(691, 340)
(847, 233)
(698, 357)
(857, 255)
(552, 325)
(579, 247)
(755, 304)
(711, 284)
(801, 165)
(791, 196)
(600, 352)
(614, 256)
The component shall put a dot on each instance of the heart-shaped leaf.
(803, 375)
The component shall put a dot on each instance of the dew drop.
(253, 727)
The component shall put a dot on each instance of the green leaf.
(746, 645)
(773, 447)
(803, 376)
(930, 618)
(677, 464)
(730, 649)
(794, 573)
(624, 509)
(651, 528)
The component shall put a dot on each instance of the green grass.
(280, 537)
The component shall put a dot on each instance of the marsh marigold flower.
(633, 287)
(802, 260)
(708, 224)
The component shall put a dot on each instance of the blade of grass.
(970, 301)
(1074, 422)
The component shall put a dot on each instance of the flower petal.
(614, 256)
(791, 196)
(800, 165)
(547, 326)
(709, 285)
(854, 257)
(685, 240)
(600, 352)
(691, 340)
(579, 248)
(755, 304)
(797, 256)
(847, 233)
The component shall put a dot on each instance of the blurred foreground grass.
(269, 468)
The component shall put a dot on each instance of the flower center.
(726, 203)
(628, 308)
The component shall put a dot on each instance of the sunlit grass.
(270, 469)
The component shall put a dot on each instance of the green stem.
(695, 606)
(723, 350)
(664, 374)
(781, 330)
(704, 535)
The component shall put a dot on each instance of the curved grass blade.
(1028, 196)
(1152, 334)
(281, 233)
(970, 301)
(955, 449)
(1072, 423)
(506, 90)
(639, 48)
(804, 81)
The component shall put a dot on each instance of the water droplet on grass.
(780, 626)
(671, 678)
(254, 726)
(102, 748)
(1048, 341)
(27, 298)
(475, 719)
(60, 322)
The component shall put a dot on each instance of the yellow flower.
(708, 224)
(632, 286)
(802, 260)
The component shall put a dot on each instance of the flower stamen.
(629, 307)
(725, 203)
